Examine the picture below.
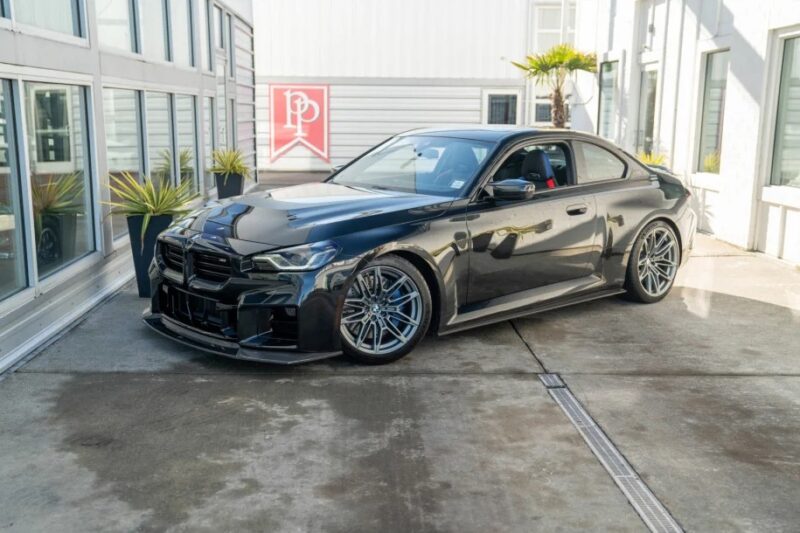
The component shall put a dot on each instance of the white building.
(395, 65)
(714, 86)
(90, 88)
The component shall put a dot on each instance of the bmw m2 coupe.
(433, 230)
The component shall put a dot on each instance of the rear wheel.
(386, 312)
(653, 263)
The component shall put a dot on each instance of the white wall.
(390, 38)
(737, 204)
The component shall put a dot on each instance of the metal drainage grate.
(644, 502)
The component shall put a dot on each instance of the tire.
(382, 322)
(653, 263)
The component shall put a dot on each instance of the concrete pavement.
(114, 428)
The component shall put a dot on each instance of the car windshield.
(440, 166)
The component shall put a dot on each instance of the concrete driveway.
(113, 428)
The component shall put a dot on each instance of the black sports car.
(436, 229)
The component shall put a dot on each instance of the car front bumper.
(275, 317)
(201, 340)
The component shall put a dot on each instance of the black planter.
(144, 249)
(233, 185)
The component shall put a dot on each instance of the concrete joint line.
(652, 512)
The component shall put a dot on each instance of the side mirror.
(513, 189)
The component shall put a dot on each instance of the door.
(522, 245)
(645, 138)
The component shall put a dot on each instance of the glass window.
(114, 24)
(186, 134)
(502, 109)
(542, 112)
(713, 112)
(56, 15)
(598, 163)
(606, 123)
(647, 111)
(60, 181)
(231, 48)
(152, 14)
(123, 141)
(545, 165)
(222, 110)
(205, 25)
(208, 139)
(12, 254)
(181, 22)
(786, 154)
(402, 164)
(159, 136)
(219, 19)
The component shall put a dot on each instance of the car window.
(598, 163)
(441, 166)
(545, 165)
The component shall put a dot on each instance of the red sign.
(298, 116)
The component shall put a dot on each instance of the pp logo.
(298, 116)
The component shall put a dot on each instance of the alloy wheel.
(657, 262)
(382, 310)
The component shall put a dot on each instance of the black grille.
(173, 256)
(212, 267)
(198, 311)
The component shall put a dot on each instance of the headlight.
(297, 258)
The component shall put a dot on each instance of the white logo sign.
(300, 109)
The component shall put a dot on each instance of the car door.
(523, 245)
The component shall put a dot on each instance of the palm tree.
(552, 68)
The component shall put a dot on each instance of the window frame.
(581, 164)
(779, 195)
(80, 24)
(500, 91)
(701, 104)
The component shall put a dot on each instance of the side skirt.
(545, 301)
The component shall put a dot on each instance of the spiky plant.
(552, 69)
(651, 158)
(185, 168)
(229, 162)
(147, 199)
(59, 194)
(711, 163)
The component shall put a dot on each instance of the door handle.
(577, 209)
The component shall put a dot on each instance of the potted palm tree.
(149, 209)
(553, 68)
(230, 171)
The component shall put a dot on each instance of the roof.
(487, 133)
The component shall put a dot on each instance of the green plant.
(147, 199)
(228, 162)
(57, 195)
(553, 68)
(711, 163)
(185, 168)
(650, 158)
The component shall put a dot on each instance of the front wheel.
(386, 312)
(653, 263)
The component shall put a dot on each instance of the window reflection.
(159, 136)
(185, 133)
(60, 186)
(114, 26)
(786, 156)
(12, 257)
(181, 32)
(152, 17)
(123, 141)
(55, 15)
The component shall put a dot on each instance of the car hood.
(306, 213)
